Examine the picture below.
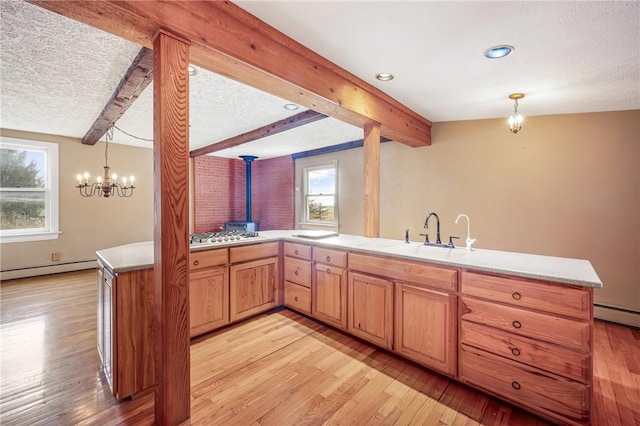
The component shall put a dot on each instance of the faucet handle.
(450, 245)
(426, 238)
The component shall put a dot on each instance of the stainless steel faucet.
(426, 226)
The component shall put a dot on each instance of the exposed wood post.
(171, 202)
(372, 180)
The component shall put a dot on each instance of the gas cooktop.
(221, 237)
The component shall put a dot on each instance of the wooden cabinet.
(127, 330)
(329, 287)
(424, 318)
(537, 335)
(253, 286)
(370, 313)
(425, 326)
(208, 291)
(297, 277)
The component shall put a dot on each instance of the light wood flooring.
(276, 369)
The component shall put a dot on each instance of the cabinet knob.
(328, 258)
(196, 262)
(295, 273)
(516, 295)
(515, 351)
(516, 324)
(295, 298)
(515, 385)
(296, 252)
(328, 271)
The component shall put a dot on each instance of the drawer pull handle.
(328, 271)
(516, 385)
(515, 351)
(296, 252)
(516, 324)
(295, 298)
(196, 262)
(296, 273)
(328, 258)
(516, 295)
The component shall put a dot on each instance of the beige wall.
(89, 224)
(566, 185)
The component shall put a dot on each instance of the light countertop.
(548, 268)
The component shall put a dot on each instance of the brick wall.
(273, 193)
(220, 192)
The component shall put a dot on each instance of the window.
(320, 194)
(28, 190)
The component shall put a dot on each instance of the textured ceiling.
(56, 74)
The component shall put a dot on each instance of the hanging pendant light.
(515, 120)
(106, 186)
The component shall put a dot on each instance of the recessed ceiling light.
(497, 52)
(192, 70)
(384, 76)
(291, 107)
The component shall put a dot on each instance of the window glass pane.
(321, 208)
(22, 209)
(22, 168)
(322, 181)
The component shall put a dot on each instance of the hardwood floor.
(276, 369)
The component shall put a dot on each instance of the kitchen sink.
(429, 252)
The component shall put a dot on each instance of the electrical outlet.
(55, 256)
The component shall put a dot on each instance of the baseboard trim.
(618, 315)
(36, 271)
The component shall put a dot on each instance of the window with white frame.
(28, 190)
(321, 194)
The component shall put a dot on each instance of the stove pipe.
(248, 159)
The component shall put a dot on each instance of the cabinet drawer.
(570, 333)
(563, 300)
(297, 297)
(208, 258)
(297, 250)
(254, 251)
(405, 270)
(529, 386)
(330, 257)
(574, 365)
(297, 271)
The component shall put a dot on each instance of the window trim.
(51, 229)
(305, 180)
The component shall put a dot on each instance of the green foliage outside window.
(22, 195)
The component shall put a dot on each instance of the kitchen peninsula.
(517, 326)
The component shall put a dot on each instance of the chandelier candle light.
(515, 120)
(106, 186)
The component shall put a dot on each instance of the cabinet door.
(371, 309)
(253, 287)
(100, 316)
(425, 327)
(329, 295)
(108, 332)
(208, 300)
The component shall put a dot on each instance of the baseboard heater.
(616, 314)
(35, 271)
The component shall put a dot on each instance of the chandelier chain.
(130, 135)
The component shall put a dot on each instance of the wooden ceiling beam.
(229, 41)
(134, 81)
(289, 123)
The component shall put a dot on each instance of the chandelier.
(515, 120)
(107, 185)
